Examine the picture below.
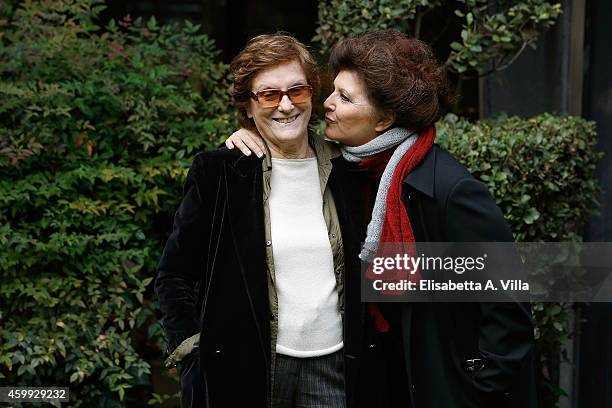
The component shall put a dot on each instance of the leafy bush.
(541, 174)
(493, 33)
(96, 129)
(540, 170)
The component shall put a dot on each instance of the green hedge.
(540, 170)
(97, 127)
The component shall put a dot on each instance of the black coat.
(446, 204)
(218, 245)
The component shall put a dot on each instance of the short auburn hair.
(401, 76)
(263, 52)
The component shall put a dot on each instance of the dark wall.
(530, 86)
(595, 384)
(229, 22)
(598, 106)
(595, 368)
(232, 22)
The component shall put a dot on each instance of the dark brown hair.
(263, 52)
(401, 76)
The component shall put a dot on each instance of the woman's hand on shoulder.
(246, 141)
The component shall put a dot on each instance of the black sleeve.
(505, 329)
(183, 261)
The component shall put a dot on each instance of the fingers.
(235, 140)
(254, 145)
(247, 142)
(262, 145)
(239, 143)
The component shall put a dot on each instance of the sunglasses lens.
(299, 94)
(269, 99)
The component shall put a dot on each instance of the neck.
(299, 150)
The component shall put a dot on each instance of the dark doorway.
(229, 22)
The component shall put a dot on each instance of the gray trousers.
(313, 382)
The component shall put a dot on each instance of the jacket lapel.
(245, 204)
(345, 183)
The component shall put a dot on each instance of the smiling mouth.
(286, 120)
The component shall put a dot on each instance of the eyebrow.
(295, 83)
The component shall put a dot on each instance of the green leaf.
(532, 215)
(456, 46)
(152, 24)
(21, 370)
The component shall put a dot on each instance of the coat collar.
(422, 177)
(244, 166)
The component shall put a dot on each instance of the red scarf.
(396, 226)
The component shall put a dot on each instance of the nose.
(328, 105)
(285, 104)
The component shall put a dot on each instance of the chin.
(329, 134)
(337, 138)
(291, 135)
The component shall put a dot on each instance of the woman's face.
(350, 117)
(287, 124)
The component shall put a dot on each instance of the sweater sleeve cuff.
(185, 348)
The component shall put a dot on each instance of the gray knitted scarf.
(403, 139)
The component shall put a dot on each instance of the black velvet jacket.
(218, 246)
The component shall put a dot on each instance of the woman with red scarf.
(388, 93)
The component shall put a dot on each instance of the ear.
(248, 111)
(385, 121)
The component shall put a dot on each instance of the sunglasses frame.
(255, 95)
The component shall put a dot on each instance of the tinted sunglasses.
(271, 98)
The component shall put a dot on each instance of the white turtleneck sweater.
(309, 322)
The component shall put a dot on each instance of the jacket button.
(333, 235)
(372, 346)
(268, 243)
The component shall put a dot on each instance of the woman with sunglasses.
(267, 246)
